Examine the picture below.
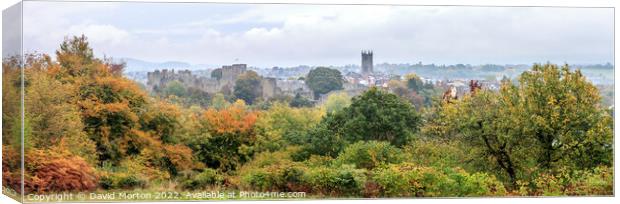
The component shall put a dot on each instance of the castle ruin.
(157, 81)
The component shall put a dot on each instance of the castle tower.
(367, 62)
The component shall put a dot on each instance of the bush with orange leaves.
(234, 119)
(110, 110)
(596, 181)
(57, 171)
(156, 155)
(226, 138)
(11, 173)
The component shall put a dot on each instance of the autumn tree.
(562, 110)
(162, 120)
(129, 129)
(226, 138)
(51, 113)
(110, 105)
(552, 119)
(76, 57)
(487, 122)
(111, 109)
(115, 68)
(11, 100)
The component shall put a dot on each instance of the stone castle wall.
(157, 80)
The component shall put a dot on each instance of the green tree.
(561, 109)
(219, 101)
(414, 82)
(487, 122)
(374, 115)
(11, 101)
(370, 154)
(323, 139)
(197, 96)
(337, 101)
(282, 125)
(322, 80)
(300, 101)
(551, 120)
(248, 87)
(162, 119)
(175, 88)
(378, 115)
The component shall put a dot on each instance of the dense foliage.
(248, 87)
(87, 127)
(322, 80)
(374, 115)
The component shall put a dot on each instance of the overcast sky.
(289, 35)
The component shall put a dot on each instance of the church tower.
(367, 62)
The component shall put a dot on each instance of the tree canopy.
(374, 115)
(248, 87)
(551, 120)
(322, 80)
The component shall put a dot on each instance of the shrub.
(130, 182)
(265, 179)
(317, 160)
(11, 172)
(286, 175)
(438, 153)
(268, 170)
(393, 183)
(280, 177)
(208, 177)
(598, 181)
(293, 178)
(343, 181)
(145, 167)
(370, 154)
(106, 183)
(260, 179)
(50, 171)
(404, 180)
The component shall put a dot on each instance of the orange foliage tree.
(226, 136)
